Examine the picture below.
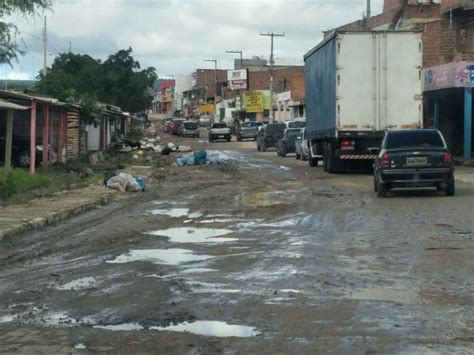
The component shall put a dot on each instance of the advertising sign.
(452, 75)
(238, 79)
(254, 102)
(206, 108)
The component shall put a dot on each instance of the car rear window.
(293, 132)
(407, 139)
(276, 127)
(190, 125)
(219, 125)
(296, 124)
(249, 124)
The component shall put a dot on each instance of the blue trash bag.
(140, 182)
(200, 157)
(185, 160)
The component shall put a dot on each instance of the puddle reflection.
(159, 256)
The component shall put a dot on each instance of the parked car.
(219, 130)
(301, 145)
(174, 126)
(205, 121)
(247, 130)
(414, 158)
(286, 144)
(189, 129)
(21, 151)
(269, 136)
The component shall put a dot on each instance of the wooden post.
(61, 136)
(33, 138)
(8, 148)
(45, 135)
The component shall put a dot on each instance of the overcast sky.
(175, 36)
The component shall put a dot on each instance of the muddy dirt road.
(258, 255)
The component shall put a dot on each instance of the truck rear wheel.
(334, 164)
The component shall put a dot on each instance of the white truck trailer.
(359, 85)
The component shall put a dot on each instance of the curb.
(57, 216)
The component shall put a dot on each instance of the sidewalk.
(17, 219)
(464, 174)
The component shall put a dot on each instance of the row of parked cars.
(181, 127)
(411, 158)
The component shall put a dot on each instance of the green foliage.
(21, 181)
(84, 80)
(9, 49)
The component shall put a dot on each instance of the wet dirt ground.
(260, 254)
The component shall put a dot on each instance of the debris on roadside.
(198, 158)
(125, 182)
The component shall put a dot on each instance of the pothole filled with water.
(195, 235)
(80, 284)
(159, 256)
(212, 328)
(173, 212)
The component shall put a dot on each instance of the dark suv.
(269, 136)
(286, 144)
(414, 158)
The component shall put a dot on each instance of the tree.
(82, 79)
(9, 49)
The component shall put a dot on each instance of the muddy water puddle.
(197, 270)
(205, 287)
(123, 327)
(7, 319)
(159, 256)
(195, 235)
(80, 284)
(212, 328)
(259, 199)
(173, 212)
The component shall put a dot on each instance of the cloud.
(176, 35)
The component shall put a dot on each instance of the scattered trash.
(200, 157)
(185, 160)
(184, 149)
(126, 182)
(166, 151)
(80, 346)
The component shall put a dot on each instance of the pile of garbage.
(124, 182)
(198, 158)
(151, 144)
(171, 148)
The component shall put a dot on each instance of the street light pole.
(215, 83)
(45, 45)
(271, 34)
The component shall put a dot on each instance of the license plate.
(417, 161)
(220, 137)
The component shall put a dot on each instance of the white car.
(302, 145)
(219, 130)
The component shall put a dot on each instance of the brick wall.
(391, 4)
(294, 81)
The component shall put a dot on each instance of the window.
(415, 139)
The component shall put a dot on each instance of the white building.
(182, 83)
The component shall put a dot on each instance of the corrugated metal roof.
(10, 105)
(22, 96)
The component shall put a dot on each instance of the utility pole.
(272, 62)
(241, 67)
(70, 47)
(367, 15)
(45, 44)
(215, 83)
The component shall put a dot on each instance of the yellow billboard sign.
(206, 108)
(254, 102)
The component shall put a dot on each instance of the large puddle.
(173, 212)
(80, 284)
(258, 199)
(195, 235)
(124, 327)
(211, 328)
(159, 256)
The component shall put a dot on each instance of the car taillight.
(385, 161)
(447, 159)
